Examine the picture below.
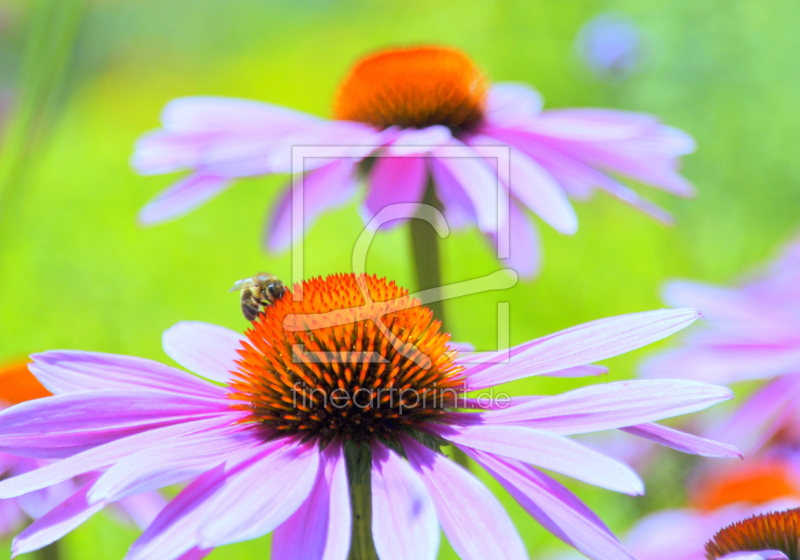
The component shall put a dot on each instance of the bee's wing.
(242, 284)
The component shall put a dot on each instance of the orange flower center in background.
(413, 87)
(353, 357)
(756, 483)
(18, 384)
(772, 531)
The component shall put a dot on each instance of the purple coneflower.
(324, 424)
(418, 124)
(769, 536)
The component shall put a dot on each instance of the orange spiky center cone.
(18, 384)
(754, 483)
(772, 531)
(414, 87)
(346, 357)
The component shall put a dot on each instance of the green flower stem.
(428, 268)
(359, 470)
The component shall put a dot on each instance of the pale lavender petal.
(196, 554)
(66, 424)
(323, 523)
(205, 349)
(141, 509)
(556, 508)
(592, 125)
(171, 462)
(57, 523)
(612, 405)
(72, 371)
(412, 141)
(549, 451)
(475, 523)
(182, 197)
(227, 114)
(38, 503)
(395, 180)
(11, 518)
(477, 180)
(534, 187)
(261, 496)
(162, 151)
(458, 208)
(581, 345)
(322, 189)
(403, 516)
(101, 456)
(681, 441)
(509, 103)
(579, 371)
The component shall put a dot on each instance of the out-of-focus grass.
(79, 273)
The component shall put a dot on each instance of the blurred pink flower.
(262, 460)
(752, 332)
(17, 385)
(430, 113)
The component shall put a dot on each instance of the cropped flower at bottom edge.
(769, 536)
(316, 378)
(406, 116)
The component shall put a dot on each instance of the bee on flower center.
(257, 292)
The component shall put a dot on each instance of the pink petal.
(205, 349)
(57, 523)
(71, 371)
(171, 462)
(612, 405)
(66, 424)
(323, 523)
(412, 141)
(534, 187)
(182, 197)
(760, 555)
(525, 251)
(681, 441)
(581, 345)
(549, 451)
(261, 496)
(403, 517)
(579, 371)
(488, 196)
(99, 457)
(475, 523)
(592, 125)
(555, 507)
(141, 509)
(458, 208)
(325, 188)
(509, 103)
(395, 180)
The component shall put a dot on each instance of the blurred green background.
(77, 272)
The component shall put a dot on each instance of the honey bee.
(257, 292)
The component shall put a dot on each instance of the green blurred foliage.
(78, 272)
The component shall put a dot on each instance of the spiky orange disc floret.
(413, 87)
(18, 384)
(336, 364)
(772, 531)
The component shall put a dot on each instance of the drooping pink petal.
(202, 348)
(759, 555)
(413, 141)
(592, 125)
(395, 180)
(403, 517)
(11, 517)
(579, 371)
(581, 345)
(458, 210)
(171, 462)
(66, 424)
(56, 523)
(534, 187)
(182, 197)
(475, 523)
(71, 371)
(524, 249)
(681, 441)
(324, 188)
(101, 456)
(481, 185)
(261, 496)
(556, 508)
(509, 103)
(611, 405)
(323, 523)
(547, 450)
(38, 503)
(140, 510)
